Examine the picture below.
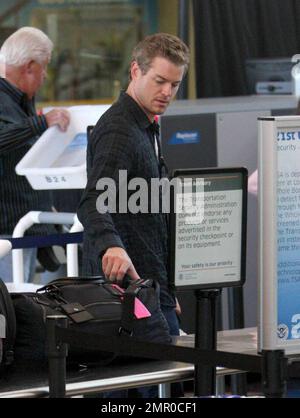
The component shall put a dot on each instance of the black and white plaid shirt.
(20, 126)
(123, 140)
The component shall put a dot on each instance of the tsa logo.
(282, 332)
(296, 326)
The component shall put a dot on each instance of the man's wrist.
(38, 124)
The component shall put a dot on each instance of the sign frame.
(205, 173)
(268, 249)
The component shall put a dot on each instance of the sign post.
(208, 247)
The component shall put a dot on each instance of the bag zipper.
(72, 281)
(43, 306)
(105, 320)
(101, 303)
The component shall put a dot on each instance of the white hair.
(25, 45)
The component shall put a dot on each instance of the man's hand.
(116, 263)
(60, 117)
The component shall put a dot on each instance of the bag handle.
(127, 319)
(127, 282)
(126, 325)
(73, 280)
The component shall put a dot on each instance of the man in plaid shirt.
(125, 141)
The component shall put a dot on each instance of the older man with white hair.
(24, 59)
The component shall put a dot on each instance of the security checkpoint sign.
(279, 259)
(288, 233)
(207, 228)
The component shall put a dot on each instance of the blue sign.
(279, 226)
(288, 234)
(185, 137)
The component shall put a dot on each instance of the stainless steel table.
(27, 381)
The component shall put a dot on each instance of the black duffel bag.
(92, 305)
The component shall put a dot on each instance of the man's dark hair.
(161, 45)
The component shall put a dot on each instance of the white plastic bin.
(58, 159)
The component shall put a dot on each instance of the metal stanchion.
(236, 321)
(205, 338)
(274, 373)
(57, 353)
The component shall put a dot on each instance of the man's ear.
(134, 70)
(28, 67)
